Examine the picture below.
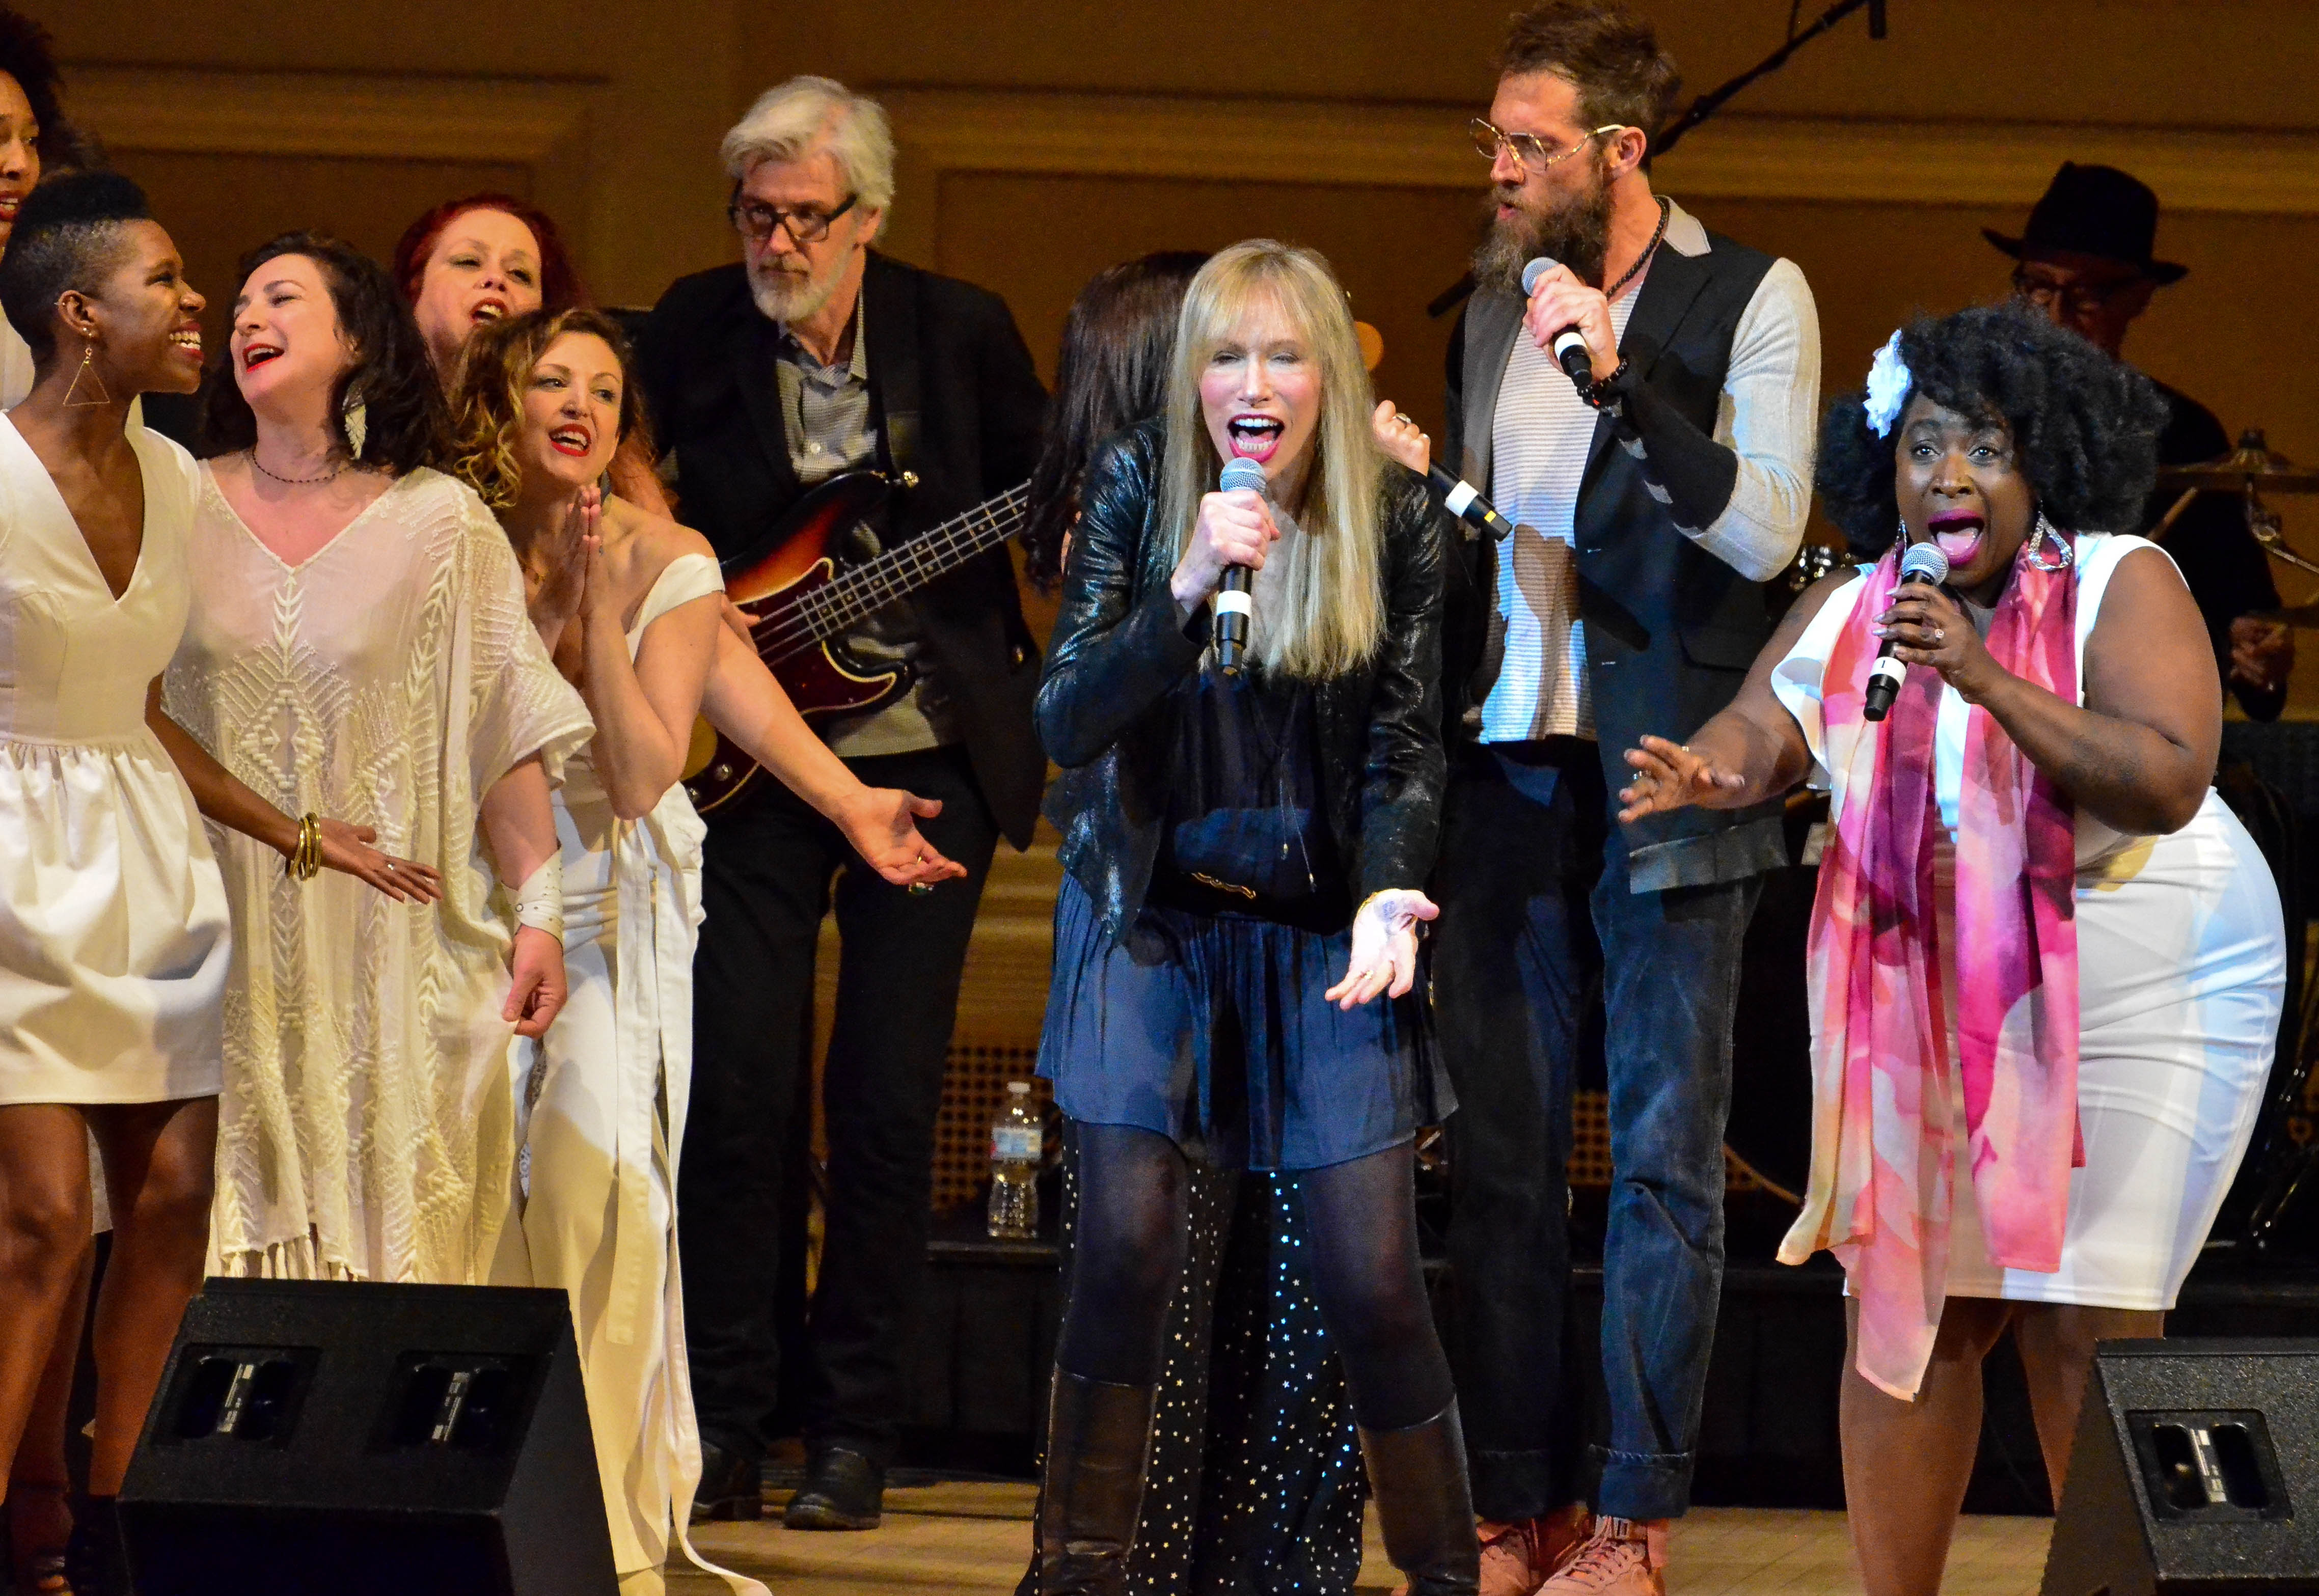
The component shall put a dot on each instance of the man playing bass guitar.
(811, 357)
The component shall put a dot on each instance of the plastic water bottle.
(1017, 1141)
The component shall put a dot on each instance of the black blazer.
(1671, 630)
(1118, 653)
(957, 400)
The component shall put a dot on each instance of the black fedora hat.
(2098, 210)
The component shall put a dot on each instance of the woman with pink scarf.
(2045, 962)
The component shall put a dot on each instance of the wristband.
(540, 901)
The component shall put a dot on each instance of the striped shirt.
(1539, 440)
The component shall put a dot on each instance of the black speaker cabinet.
(325, 1438)
(2195, 1473)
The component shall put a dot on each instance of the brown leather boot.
(1097, 1437)
(1416, 1477)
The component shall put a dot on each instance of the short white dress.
(2182, 971)
(114, 932)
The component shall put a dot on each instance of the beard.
(1574, 230)
(792, 296)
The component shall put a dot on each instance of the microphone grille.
(1925, 560)
(1535, 270)
(1242, 473)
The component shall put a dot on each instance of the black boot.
(1416, 1477)
(1098, 1435)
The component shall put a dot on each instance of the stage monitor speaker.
(2195, 1473)
(332, 1438)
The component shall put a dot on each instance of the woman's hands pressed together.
(1234, 528)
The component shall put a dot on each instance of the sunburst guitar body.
(802, 599)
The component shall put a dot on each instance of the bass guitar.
(801, 602)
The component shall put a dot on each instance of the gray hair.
(793, 120)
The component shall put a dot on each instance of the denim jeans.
(1539, 936)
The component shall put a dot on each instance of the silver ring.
(1940, 634)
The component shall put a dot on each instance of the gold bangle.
(305, 860)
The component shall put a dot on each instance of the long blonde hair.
(1333, 613)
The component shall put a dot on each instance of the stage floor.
(977, 1537)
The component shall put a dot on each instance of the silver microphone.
(1925, 563)
(1235, 605)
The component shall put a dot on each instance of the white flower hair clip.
(1888, 383)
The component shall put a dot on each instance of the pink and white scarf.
(1883, 1162)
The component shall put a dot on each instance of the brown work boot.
(1622, 1558)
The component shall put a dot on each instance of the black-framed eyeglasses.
(2078, 299)
(1530, 152)
(755, 221)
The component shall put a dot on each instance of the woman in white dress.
(2047, 962)
(358, 639)
(114, 928)
(629, 601)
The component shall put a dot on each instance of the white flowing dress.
(115, 937)
(608, 1087)
(366, 1131)
(2182, 971)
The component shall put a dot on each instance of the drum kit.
(2248, 472)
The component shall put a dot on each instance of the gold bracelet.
(305, 860)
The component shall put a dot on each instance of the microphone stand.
(1707, 106)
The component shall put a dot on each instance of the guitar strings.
(841, 602)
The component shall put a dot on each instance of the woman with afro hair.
(2045, 962)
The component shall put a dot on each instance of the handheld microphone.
(1234, 605)
(1923, 562)
(1463, 500)
(1569, 345)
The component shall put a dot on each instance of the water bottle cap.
(1022, 1088)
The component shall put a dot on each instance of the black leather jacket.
(1119, 650)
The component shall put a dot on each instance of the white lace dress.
(366, 1129)
(608, 1086)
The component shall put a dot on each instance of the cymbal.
(2252, 465)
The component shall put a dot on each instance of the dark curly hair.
(406, 424)
(29, 55)
(1112, 373)
(2085, 427)
(487, 409)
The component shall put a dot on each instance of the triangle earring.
(87, 373)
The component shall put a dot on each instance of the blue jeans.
(1539, 941)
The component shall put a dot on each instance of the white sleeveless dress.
(608, 1087)
(2182, 971)
(114, 931)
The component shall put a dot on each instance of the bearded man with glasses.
(2086, 260)
(1650, 507)
(811, 356)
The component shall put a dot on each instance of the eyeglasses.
(1530, 152)
(756, 222)
(2077, 298)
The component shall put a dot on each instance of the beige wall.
(1042, 140)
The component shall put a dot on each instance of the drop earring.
(357, 421)
(2062, 554)
(87, 373)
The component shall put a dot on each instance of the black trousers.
(766, 882)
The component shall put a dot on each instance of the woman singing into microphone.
(1236, 938)
(2045, 962)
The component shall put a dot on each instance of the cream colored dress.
(608, 1086)
(366, 1129)
(114, 940)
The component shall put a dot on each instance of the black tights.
(1361, 1222)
